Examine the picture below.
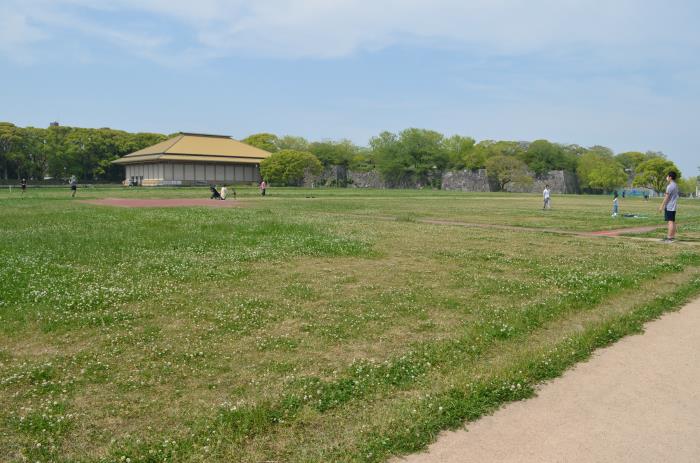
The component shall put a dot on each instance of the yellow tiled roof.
(193, 147)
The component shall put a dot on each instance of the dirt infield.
(181, 202)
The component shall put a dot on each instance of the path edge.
(521, 380)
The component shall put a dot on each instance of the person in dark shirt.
(23, 185)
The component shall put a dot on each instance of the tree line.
(59, 152)
(411, 157)
(420, 157)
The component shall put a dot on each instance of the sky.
(620, 73)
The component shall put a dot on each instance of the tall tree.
(631, 159)
(10, 141)
(598, 170)
(542, 156)
(35, 151)
(652, 173)
(264, 141)
(458, 148)
(334, 152)
(392, 162)
(290, 142)
(288, 167)
(507, 169)
(414, 155)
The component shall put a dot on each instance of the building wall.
(175, 173)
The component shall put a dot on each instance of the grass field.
(309, 325)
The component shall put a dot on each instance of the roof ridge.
(211, 135)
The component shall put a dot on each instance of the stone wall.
(371, 179)
(341, 176)
(466, 180)
(331, 176)
(559, 182)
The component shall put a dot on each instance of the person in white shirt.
(547, 201)
(224, 192)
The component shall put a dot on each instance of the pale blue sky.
(624, 74)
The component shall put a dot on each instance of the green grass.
(335, 328)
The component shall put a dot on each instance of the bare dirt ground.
(182, 202)
(636, 401)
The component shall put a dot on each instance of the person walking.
(23, 186)
(546, 196)
(669, 205)
(263, 187)
(73, 185)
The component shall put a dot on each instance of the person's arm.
(663, 204)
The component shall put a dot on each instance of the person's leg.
(672, 229)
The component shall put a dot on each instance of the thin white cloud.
(337, 28)
(17, 35)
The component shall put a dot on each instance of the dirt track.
(636, 401)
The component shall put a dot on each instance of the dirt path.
(636, 401)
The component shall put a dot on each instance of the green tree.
(542, 156)
(475, 159)
(393, 163)
(339, 153)
(458, 149)
(631, 159)
(362, 160)
(652, 173)
(264, 141)
(688, 185)
(414, 155)
(290, 142)
(60, 164)
(606, 176)
(507, 169)
(35, 153)
(598, 170)
(10, 141)
(288, 167)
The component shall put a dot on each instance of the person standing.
(669, 205)
(23, 185)
(615, 204)
(546, 196)
(73, 185)
(263, 187)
